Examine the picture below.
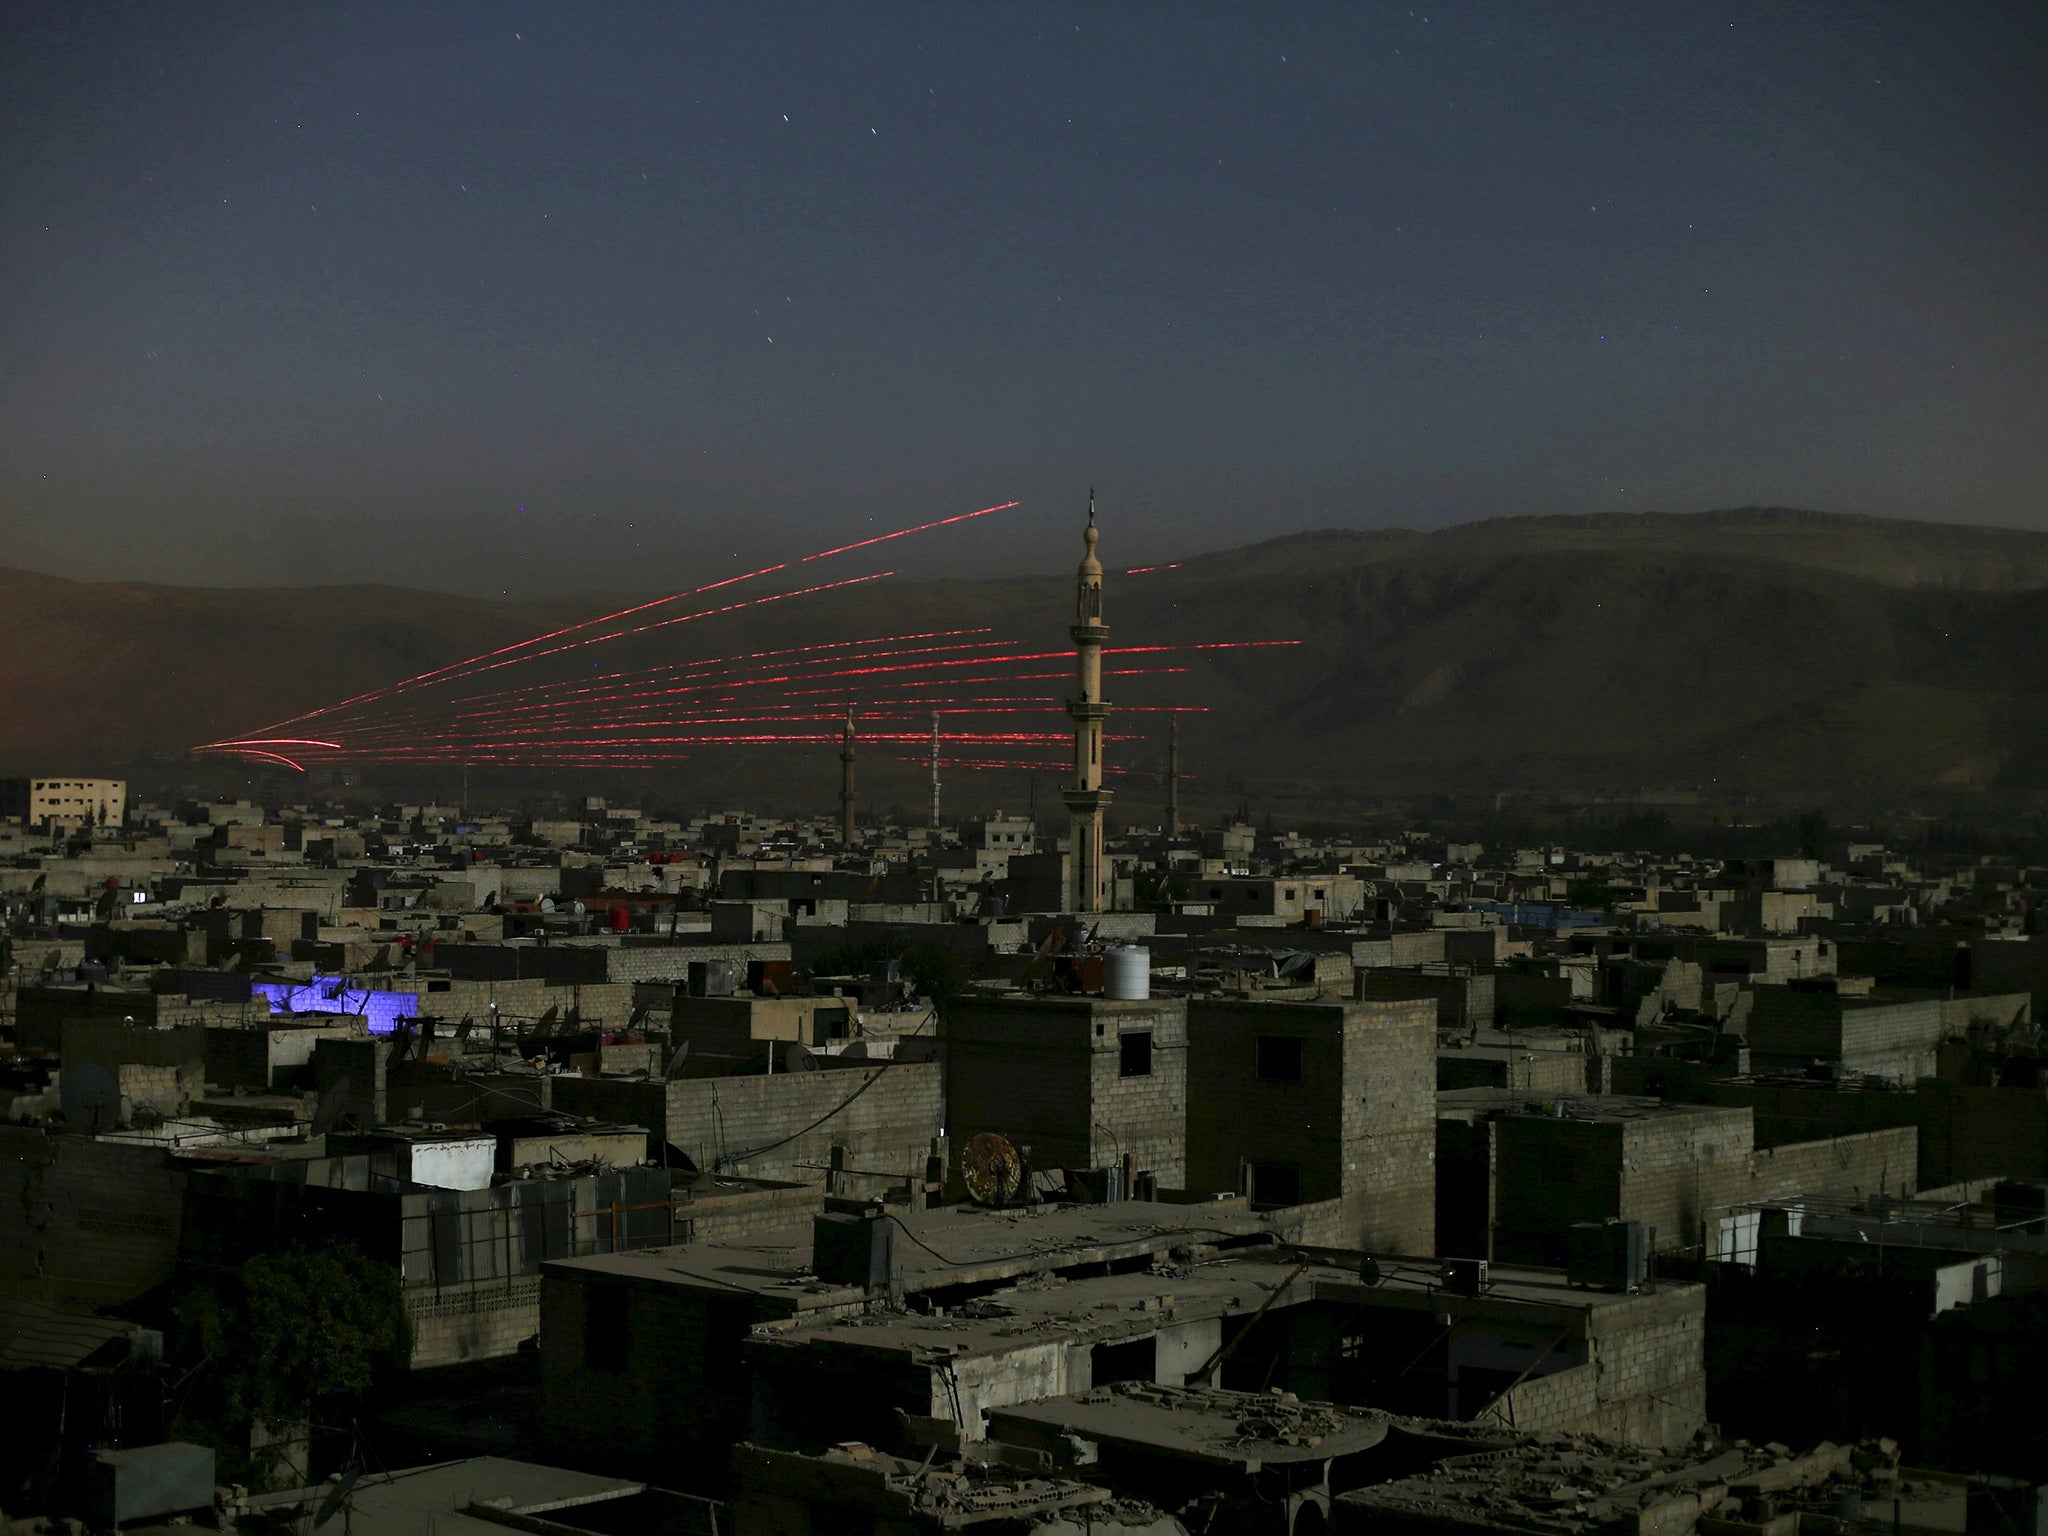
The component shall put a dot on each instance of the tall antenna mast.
(1173, 777)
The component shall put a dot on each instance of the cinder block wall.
(1360, 1124)
(681, 1400)
(884, 1115)
(1548, 1174)
(85, 1223)
(1677, 1169)
(1047, 1073)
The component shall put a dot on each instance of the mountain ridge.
(1752, 650)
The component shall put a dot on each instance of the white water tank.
(1127, 973)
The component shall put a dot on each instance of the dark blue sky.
(554, 298)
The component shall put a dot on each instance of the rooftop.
(1586, 1108)
(952, 1496)
(482, 1496)
(1242, 1430)
(960, 1245)
(1562, 1484)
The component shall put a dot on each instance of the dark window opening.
(1278, 1058)
(1134, 1360)
(607, 1327)
(1275, 1184)
(1134, 1050)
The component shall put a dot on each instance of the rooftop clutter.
(1342, 1180)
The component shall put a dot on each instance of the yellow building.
(66, 803)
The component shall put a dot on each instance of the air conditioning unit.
(852, 1250)
(1607, 1255)
(1464, 1277)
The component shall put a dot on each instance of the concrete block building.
(1517, 1174)
(1085, 1082)
(881, 1115)
(1792, 1028)
(1325, 1105)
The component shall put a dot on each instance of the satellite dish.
(576, 907)
(337, 1496)
(90, 1096)
(462, 1030)
(1369, 1270)
(332, 1097)
(546, 1026)
(992, 1169)
(547, 903)
(682, 1051)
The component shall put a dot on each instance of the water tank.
(1127, 973)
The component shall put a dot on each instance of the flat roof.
(1096, 1309)
(1571, 1483)
(1101, 1308)
(408, 1501)
(1244, 1430)
(956, 1245)
(1584, 1108)
(956, 1494)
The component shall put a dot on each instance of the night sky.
(552, 299)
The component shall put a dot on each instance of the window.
(1275, 1184)
(607, 1327)
(1277, 1058)
(1132, 1360)
(1134, 1051)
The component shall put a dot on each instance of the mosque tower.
(1086, 798)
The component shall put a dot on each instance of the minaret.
(1086, 798)
(935, 771)
(846, 783)
(1173, 777)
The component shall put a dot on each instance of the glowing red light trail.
(570, 629)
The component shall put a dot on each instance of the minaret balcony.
(1090, 634)
(1084, 710)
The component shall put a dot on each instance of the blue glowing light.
(380, 1010)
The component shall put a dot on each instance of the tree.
(295, 1330)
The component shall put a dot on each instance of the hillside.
(1748, 650)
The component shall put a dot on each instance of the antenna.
(1173, 776)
